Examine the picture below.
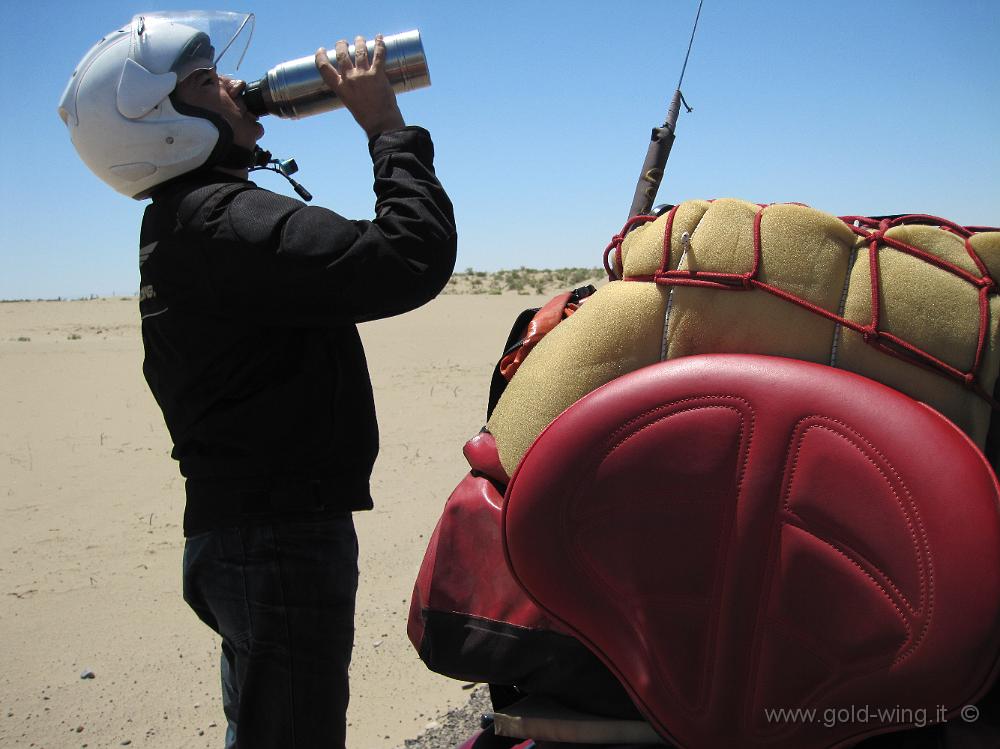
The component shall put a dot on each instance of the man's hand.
(362, 86)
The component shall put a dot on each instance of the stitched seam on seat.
(721, 549)
(775, 546)
(866, 573)
(908, 519)
(670, 404)
(921, 549)
(788, 508)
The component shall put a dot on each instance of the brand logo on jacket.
(145, 251)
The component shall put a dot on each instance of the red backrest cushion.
(736, 534)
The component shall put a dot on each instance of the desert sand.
(91, 542)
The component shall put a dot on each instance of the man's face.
(221, 94)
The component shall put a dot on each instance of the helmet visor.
(185, 41)
(163, 49)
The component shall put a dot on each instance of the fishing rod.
(660, 143)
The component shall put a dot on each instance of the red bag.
(470, 620)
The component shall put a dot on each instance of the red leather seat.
(734, 535)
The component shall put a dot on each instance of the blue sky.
(541, 111)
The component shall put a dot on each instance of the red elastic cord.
(616, 244)
(874, 231)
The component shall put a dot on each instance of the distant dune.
(519, 281)
(523, 281)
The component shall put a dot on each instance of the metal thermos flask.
(295, 89)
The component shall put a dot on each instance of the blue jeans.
(282, 597)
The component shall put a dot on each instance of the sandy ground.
(90, 537)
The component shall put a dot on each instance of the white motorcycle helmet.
(117, 104)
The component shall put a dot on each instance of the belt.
(220, 503)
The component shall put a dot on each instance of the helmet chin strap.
(238, 157)
(228, 155)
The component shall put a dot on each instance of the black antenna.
(661, 140)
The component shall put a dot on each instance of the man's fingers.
(378, 59)
(361, 53)
(343, 59)
(329, 73)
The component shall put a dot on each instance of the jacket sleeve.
(277, 260)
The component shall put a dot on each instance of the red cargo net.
(874, 231)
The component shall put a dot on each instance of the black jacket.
(249, 301)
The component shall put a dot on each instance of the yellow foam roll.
(943, 244)
(723, 240)
(987, 246)
(804, 252)
(754, 321)
(618, 330)
(929, 308)
(642, 250)
(748, 322)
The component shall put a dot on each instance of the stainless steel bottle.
(295, 89)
